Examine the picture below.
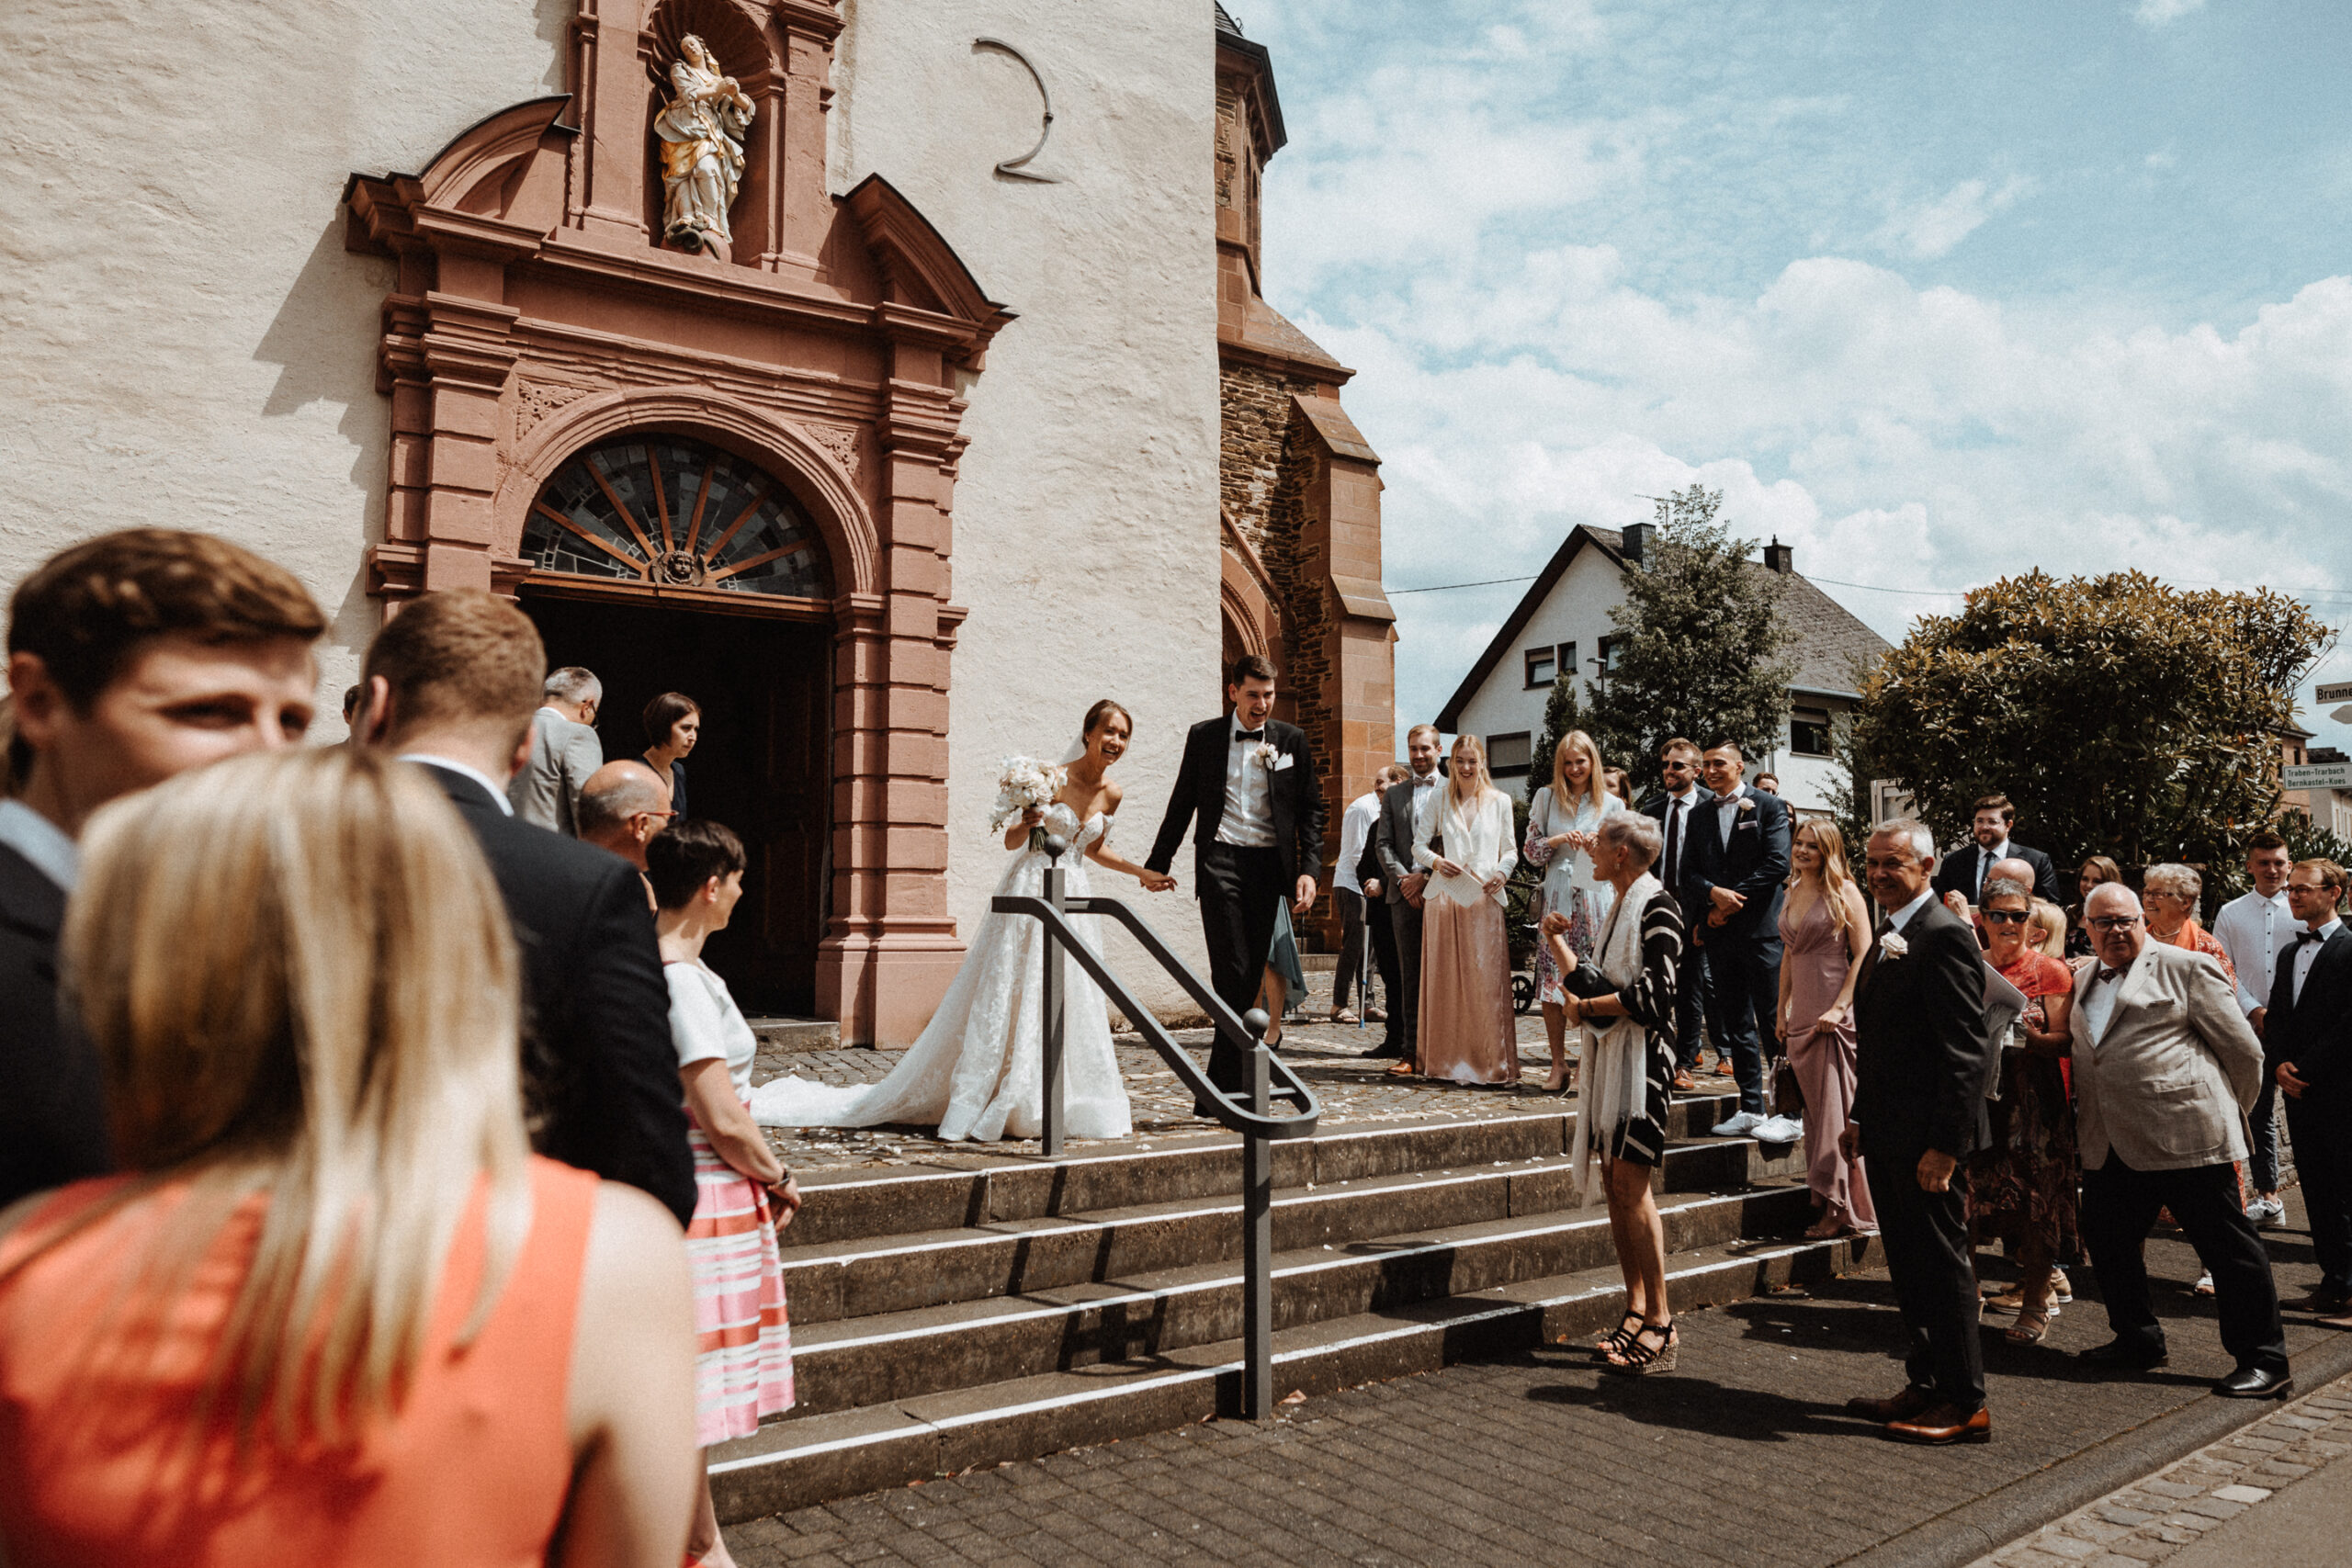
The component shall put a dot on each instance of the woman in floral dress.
(1560, 826)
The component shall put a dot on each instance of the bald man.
(622, 806)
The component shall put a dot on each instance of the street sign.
(2343, 714)
(2341, 692)
(2318, 776)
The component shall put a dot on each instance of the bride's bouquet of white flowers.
(1024, 784)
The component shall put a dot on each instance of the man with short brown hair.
(1964, 870)
(131, 657)
(1672, 807)
(2254, 929)
(452, 682)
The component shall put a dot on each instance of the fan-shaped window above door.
(674, 514)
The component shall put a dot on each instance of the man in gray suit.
(564, 753)
(1401, 884)
(2166, 1069)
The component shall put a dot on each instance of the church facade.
(890, 378)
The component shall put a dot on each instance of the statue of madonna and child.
(702, 148)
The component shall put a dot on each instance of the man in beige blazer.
(2166, 1068)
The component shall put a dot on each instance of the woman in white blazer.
(1463, 837)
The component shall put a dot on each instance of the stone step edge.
(857, 1203)
(843, 1336)
(854, 1451)
(843, 1251)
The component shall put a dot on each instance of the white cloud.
(2156, 13)
(1932, 229)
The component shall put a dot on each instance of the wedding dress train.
(977, 1069)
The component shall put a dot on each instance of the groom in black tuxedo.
(1250, 781)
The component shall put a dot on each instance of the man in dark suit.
(1965, 870)
(1373, 877)
(1402, 883)
(2307, 1040)
(1671, 807)
(1732, 866)
(451, 683)
(131, 657)
(1247, 789)
(1919, 1110)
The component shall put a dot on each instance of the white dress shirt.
(2253, 931)
(1985, 859)
(497, 793)
(2305, 955)
(43, 842)
(1726, 814)
(1248, 819)
(1902, 917)
(1676, 829)
(2099, 998)
(1355, 831)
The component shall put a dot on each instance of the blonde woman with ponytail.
(1561, 824)
(333, 1310)
(1825, 930)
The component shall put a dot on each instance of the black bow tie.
(2106, 974)
(1250, 735)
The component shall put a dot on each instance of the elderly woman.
(2021, 1186)
(1625, 994)
(2168, 893)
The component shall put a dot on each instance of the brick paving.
(1744, 1456)
(2155, 1517)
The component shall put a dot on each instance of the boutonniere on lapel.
(1267, 755)
(1746, 806)
(1891, 946)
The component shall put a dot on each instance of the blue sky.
(1935, 291)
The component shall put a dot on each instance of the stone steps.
(793, 1463)
(985, 1307)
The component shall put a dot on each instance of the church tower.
(1299, 487)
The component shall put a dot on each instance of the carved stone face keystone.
(679, 568)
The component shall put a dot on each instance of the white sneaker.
(1778, 1130)
(2266, 1212)
(1737, 1124)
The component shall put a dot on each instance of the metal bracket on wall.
(1012, 168)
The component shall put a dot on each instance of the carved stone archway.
(536, 313)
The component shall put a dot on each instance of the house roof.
(1828, 643)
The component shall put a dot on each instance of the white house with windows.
(1563, 623)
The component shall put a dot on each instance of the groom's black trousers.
(1240, 890)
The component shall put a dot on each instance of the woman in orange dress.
(2169, 893)
(334, 1311)
(2021, 1186)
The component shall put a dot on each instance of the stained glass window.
(674, 514)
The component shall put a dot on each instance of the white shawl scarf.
(1616, 1059)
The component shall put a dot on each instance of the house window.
(1542, 664)
(1809, 732)
(1612, 650)
(1507, 756)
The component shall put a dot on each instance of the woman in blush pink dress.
(1825, 927)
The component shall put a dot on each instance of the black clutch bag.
(1588, 982)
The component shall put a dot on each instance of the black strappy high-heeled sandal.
(1617, 1338)
(1653, 1349)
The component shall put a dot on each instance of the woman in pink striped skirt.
(743, 1346)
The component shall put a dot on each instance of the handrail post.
(1050, 997)
(1258, 1234)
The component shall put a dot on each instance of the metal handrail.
(1255, 1122)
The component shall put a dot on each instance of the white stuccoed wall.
(1086, 514)
(184, 339)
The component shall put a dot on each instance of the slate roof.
(1225, 24)
(1829, 640)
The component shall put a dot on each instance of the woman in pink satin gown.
(1825, 927)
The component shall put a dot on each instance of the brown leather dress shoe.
(1912, 1401)
(2317, 1301)
(1945, 1424)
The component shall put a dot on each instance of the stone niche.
(537, 313)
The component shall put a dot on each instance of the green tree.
(1699, 647)
(2120, 717)
(1563, 716)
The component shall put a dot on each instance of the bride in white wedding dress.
(977, 1069)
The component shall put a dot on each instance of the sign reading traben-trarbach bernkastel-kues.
(2318, 776)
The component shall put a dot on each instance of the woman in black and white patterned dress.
(1625, 995)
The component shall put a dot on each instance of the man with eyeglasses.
(2308, 1033)
(1672, 808)
(2166, 1068)
(624, 805)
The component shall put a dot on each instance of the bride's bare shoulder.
(1111, 797)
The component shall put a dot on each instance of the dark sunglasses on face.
(2004, 916)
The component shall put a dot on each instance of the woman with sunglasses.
(2021, 1186)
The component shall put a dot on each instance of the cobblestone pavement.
(2153, 1518)
(1329, 1056)
(1744, 1456)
